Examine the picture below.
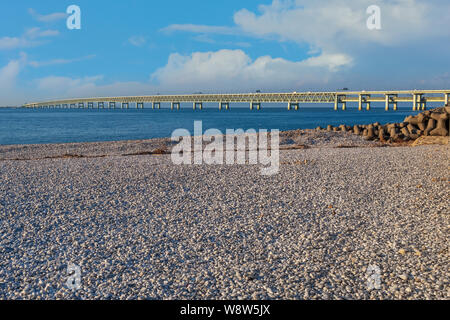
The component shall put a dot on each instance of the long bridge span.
(340, 100)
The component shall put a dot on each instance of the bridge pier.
(417, 101)
(81, 105)
(224, 104)
(255, 104)
(90, 105)
(199, 104)
(139, 105)
(174, 105)
(294, 105)
(446, 98)
(338, 100)
(423, 104)
(125, 105)
(391, 98)
(112, 105)
(156, 105)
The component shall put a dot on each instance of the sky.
(142, 47)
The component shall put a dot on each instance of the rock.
(436, 115)
(404, 277)
(329, 128)
(370, 133)
(411, 128)
(405, 132)
(430, 126)
(411, 120)
(421, 118)
(441, 127)
(421, 126)
(441, 132)
(356, 130)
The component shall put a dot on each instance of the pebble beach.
(140, 227)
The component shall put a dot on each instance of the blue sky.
(147, 47)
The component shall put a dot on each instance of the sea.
(45, 126)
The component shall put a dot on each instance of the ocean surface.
(41, 126)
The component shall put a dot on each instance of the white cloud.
(235, 70)
(35, 33)
(338, 26)
(37, 64)
(65, 85)
(47, 18)
(335, 24)
(137, 41)
(8, 79)
(29, 39)
(201, 29)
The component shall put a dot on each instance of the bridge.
(364, 100)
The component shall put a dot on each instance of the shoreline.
(293, 139)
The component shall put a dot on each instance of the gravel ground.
(140, 227)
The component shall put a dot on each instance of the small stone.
(404, 277)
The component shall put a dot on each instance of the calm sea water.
(23, 126)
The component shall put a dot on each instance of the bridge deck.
(390, 97)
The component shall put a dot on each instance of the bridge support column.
(293, 105)
(125, 105)
(156, 105)
(112, 105)
(423, 104)
(339, 99)
(139, 105)
(414, 102)
(90, 105)
(199, 104)
(391, 98)
(446, 98)
(360, 101)
(224, 104)
(80, 105)
(255, 104)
